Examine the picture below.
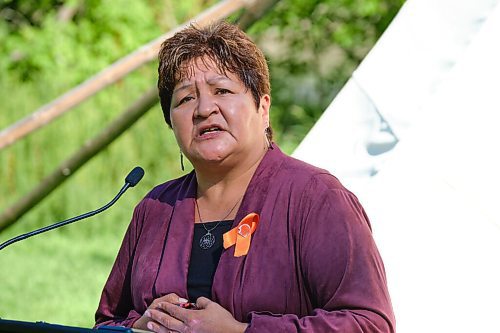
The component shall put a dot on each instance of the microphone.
(130, 181)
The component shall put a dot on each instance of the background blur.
(50, 46)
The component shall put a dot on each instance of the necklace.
(208, 240)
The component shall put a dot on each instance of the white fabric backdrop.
(414, 134)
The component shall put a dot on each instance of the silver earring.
(182, 160)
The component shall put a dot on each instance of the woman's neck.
(219, 191)
(220, 178)
(224, 184)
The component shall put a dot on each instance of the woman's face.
(214, 117)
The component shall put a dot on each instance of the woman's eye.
(222, 91)
(184, 100)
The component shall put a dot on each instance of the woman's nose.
(206, 105)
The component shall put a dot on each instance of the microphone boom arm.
(132, 179)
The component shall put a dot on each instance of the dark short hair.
(223, 43)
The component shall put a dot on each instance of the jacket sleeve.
(341, 267)
(116, 306)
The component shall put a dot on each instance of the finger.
(165, 319)
(155, 327)
(171, 298)
(202, 302)
(175, 311)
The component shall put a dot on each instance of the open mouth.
(210, 129)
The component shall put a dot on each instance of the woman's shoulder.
(172, 189)
(307, 175)
(317, 187)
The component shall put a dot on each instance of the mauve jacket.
(312, 266)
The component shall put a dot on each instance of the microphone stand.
(130, 181)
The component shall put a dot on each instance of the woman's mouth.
(209, 132)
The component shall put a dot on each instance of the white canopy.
(414, 135)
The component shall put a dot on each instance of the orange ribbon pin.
(241, 235)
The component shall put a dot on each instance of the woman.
(299, 255)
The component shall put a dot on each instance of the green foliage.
(313, 47)
(50, 46)
(104, 33)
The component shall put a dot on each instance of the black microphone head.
(134, 176)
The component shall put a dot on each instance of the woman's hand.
(172, 298)
(209, 317)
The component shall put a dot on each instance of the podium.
(15, 326)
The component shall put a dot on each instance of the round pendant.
(207, 241)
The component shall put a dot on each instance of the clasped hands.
(165, 314)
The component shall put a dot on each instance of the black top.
(203, 263)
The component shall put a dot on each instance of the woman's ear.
(264, 107)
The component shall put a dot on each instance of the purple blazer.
(312, 266)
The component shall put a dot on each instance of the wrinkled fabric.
(312, 266)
